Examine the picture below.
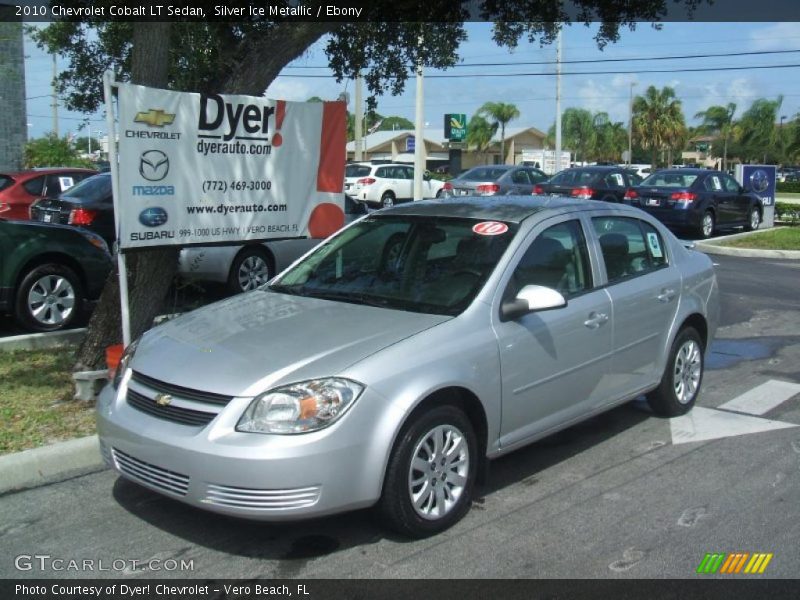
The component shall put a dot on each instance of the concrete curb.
(39, 341)
(50, 464)
(714, 247)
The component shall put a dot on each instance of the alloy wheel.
(687, 371)
(51, 300)
(438, 472)
(252, 273)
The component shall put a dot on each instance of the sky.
(535, 95)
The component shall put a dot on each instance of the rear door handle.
(666, 295)
(595, 320)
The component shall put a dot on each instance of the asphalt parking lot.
(625, 495)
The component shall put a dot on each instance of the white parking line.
(703, 424)
(764, 398)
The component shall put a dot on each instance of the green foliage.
(499, 114)
(52, 151)
(480, 133)
(789, 187)
(592, 137)
(757, 133)
(784, 211)
(658, 121)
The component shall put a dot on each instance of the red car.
(18, 190)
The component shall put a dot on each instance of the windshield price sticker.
(655, 245)
(490, 228)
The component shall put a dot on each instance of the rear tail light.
(631, 194)
(488, 188)
(447, 186)
(538, 190)
(683, 196)
(366, 181)
(582, 193)
(81, 216)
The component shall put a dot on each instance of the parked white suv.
(386, 185)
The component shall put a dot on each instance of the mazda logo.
(153, 165)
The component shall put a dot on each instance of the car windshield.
(422, 264)
(574, 177)
(483, 174)
(676, 180)
(93, 189)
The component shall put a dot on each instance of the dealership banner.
(210, 168)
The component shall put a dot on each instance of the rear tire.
(431, 473)
(387, 200)
(50, 297)
(707, 225)
(250, 269)
(683, 375)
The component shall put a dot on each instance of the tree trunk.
(150, 272)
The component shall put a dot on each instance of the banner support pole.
(122, 271)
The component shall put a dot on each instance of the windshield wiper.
(357, 298)
(294, 290)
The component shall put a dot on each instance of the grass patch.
(36, 406)
(777, 239)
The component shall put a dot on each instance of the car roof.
(598, 168)
(686, 171)
(46, 171)
(513, 209)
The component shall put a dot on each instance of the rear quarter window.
(34, 186)
(5, 182)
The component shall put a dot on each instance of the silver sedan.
(395, 360)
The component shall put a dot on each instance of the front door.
(553, 362)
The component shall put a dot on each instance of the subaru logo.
(153, 165)
(153, 216)
(759, 181)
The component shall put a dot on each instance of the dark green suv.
(48, 272)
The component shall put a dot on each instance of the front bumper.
(255, 476)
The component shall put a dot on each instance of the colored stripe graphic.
(732, 563)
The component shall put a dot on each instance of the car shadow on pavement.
(294, 543)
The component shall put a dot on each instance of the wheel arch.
(699, 323)
(463, 399)
(50, 258)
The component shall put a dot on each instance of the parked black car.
(698, 200)
(88, 204)
(48, 273)
(589, 183)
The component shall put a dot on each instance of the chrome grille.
(176, 414)
(262, 499)
(180, 391)
(163, 479)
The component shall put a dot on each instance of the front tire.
(249, 270)
(431, 473)
(754, 221)
(683, 375)
(49, 298)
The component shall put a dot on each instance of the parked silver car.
(495, 180)
(391, 363)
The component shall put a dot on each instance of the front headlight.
(300, 407)
(126, 357)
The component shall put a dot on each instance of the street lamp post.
(783, 140)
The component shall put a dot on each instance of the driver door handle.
(595, 320)
(666, 295)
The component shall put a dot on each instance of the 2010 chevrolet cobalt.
(388, 365)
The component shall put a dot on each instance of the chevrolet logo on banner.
(154, 118)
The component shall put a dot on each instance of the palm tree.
(480, 133)
(756, 129)
(657, 120)
(718, 120)
(610, 139)
(500, 113)
(578, 129)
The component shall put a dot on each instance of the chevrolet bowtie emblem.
(155, 117)
(163, 399)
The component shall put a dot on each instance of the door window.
(34, 186)
(630, 247)
(558, 259)
(520, 176)
(730, 184)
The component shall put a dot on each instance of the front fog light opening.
(301, 407)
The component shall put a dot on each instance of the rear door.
(644, 288)
(740, 200)
(518, 182)
(724, 201)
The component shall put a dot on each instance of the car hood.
(244, 345)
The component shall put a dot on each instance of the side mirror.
(529, 299)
